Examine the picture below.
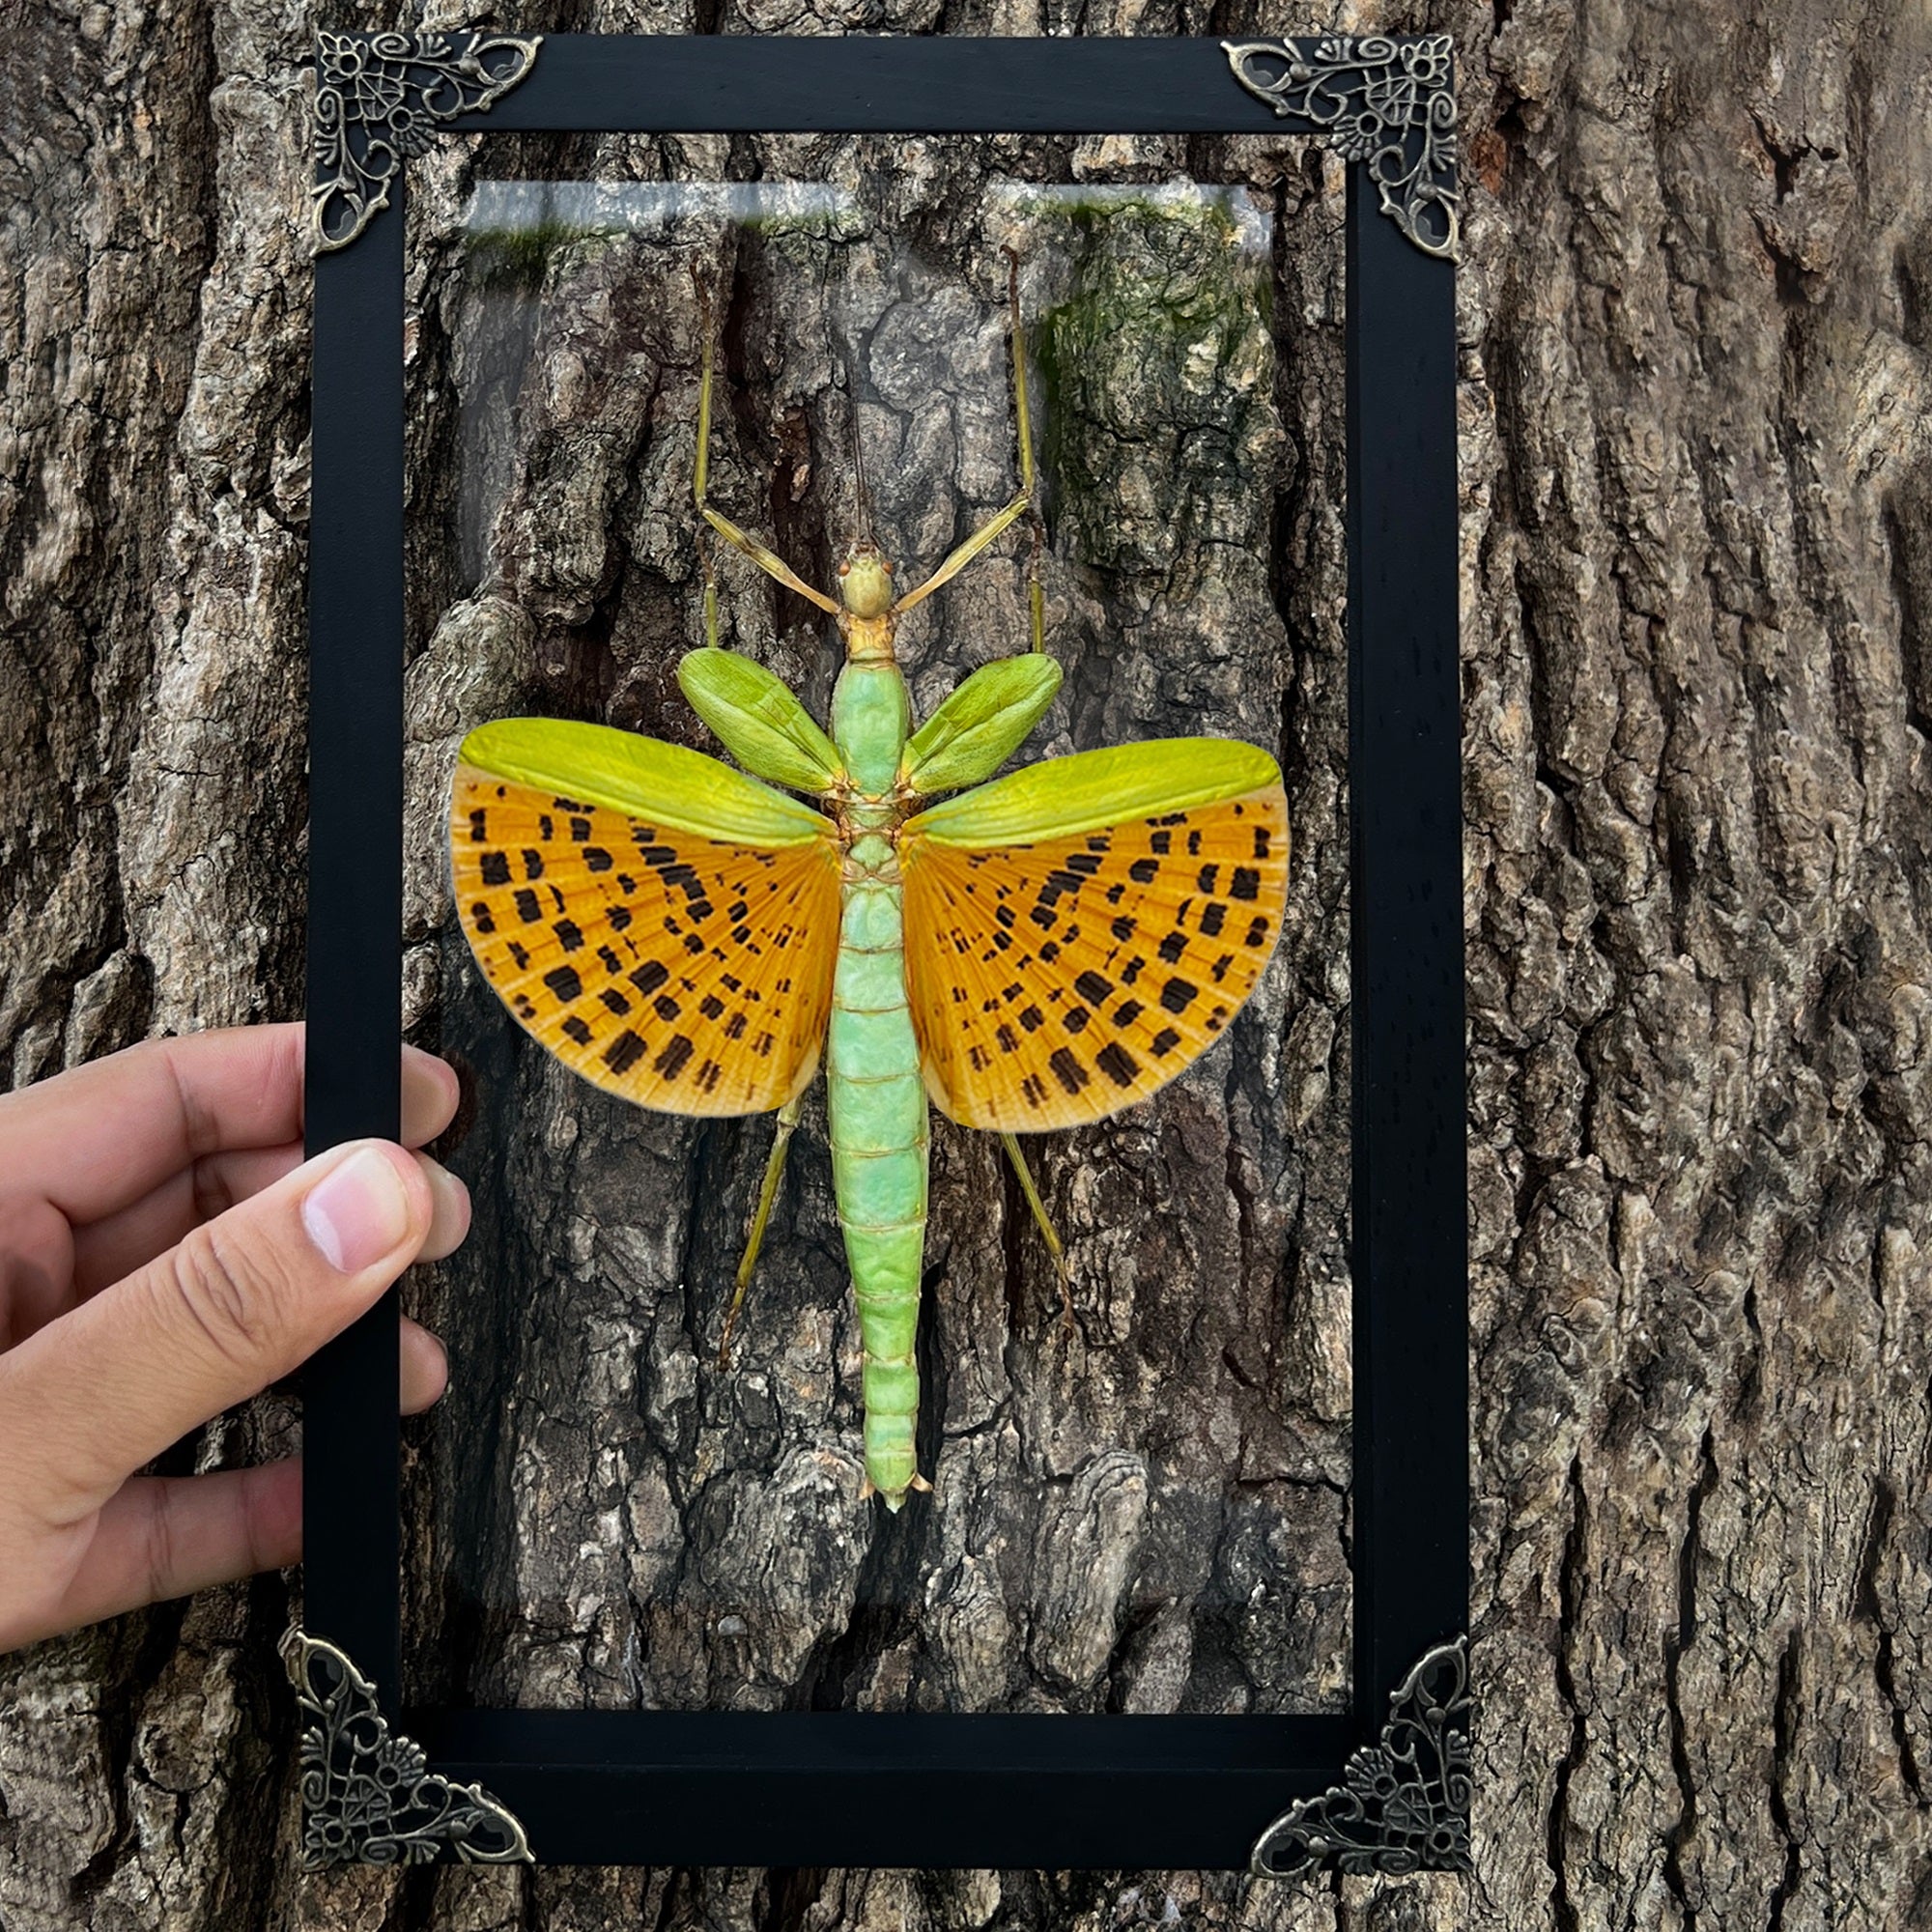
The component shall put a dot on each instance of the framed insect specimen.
(950, 1567)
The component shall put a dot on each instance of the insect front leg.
(1022, 410)
(771, 564)
(707, 566)
(1025, 504)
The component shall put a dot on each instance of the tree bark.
(1697, 640)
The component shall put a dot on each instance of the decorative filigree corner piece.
(1404, 1804)
(379, 98)
(1388, 102)
(369, 1797)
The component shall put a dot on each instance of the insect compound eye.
(844, 570)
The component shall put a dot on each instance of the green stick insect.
(1026, 954)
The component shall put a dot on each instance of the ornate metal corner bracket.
(1403, 1805)
(379, 99)
(1388, 102)
(368, 1795)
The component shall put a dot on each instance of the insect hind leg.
(1044, 1223)
(768, 1190)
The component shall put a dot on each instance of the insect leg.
(706, 565)
(994, 527)
(1022, 505)
(1011, 1141)
(1022, 410)
(750, 546)
(767, 1193)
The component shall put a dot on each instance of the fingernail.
(450, 1192)
(438, 1366)
(358, 1212)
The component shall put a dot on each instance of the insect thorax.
(871, 722)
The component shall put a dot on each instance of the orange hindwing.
(689, 975)
(1055, 983)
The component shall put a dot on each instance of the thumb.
(241, 1301)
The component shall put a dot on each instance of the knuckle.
(157, 1543)
(233, 1295)
(209, 1189)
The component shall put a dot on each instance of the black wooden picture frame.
(1384, 1787)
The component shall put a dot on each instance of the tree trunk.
(1697, 520)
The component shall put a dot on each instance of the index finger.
(101, 1137)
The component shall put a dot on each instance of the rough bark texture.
(1696, 317)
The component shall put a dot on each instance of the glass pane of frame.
(1140, 1497)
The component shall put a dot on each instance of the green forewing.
(758, 720)
(980, 725)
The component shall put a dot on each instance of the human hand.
(164, 1254)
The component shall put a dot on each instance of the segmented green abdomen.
(875, 1102)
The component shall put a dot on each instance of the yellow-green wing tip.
(643, 777)
(1245, 764)
(1059, 797)
(517, 747)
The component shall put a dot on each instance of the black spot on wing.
(1068, 1071)
(624, 1052)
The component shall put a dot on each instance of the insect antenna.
(859, 472)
